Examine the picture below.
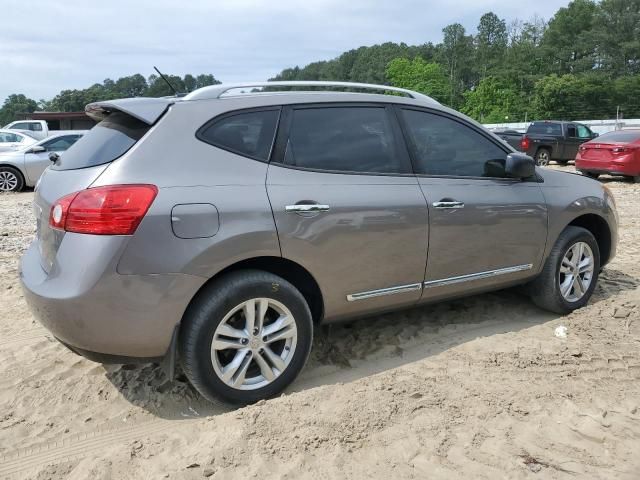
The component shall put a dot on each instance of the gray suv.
(219, 228)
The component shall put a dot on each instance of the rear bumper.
(608, 167)
(104, 313)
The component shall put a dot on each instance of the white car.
(23, 167)
(11, 140)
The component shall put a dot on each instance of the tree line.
(584, 63)
(124, 87)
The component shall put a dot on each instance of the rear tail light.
(109, 210)
(619, 150)
(525, 143)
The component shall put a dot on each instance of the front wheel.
(246, 337)
(570, 272)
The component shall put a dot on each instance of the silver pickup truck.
(38, 129)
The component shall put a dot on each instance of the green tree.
(456, 53)
(491, 43)
(14, 104)
(569, 45)
(574, 97)
(418, 75)
(618, 36)
(495, 101)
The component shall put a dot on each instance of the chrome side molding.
(477, 276)
(384, 291)
(437, 283)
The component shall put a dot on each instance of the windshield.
(108, 140)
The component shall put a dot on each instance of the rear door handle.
(306, 208)
(452, 204)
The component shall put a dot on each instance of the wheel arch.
(291, 271)
(599, 228)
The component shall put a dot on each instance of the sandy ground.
(476, 388)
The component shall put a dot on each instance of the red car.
(615, 153)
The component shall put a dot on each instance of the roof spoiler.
(147, 110)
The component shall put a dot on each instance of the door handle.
(449, 204)
(306, 208)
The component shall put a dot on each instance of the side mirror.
(594, 134)
(519, 165)
(54, 157)
(37, 149)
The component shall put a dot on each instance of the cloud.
(54, 44)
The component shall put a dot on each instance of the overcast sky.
(50, 45)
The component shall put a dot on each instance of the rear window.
(619, 137)
(545, 128)
(108, 140)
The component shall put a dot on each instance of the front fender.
(574, 199)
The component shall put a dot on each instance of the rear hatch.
(119, 129)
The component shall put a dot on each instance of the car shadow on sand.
(349, 351)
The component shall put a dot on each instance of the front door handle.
(306, 208)
(448, 204)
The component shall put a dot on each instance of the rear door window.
(250, 133)
(108, 140)
(344, 139)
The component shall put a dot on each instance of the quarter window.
(248, 133)
(443, 146)
(349, 139)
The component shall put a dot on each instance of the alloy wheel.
(254, 344)
(8, 181)
(576, 271)
(543, 158)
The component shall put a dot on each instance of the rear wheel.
(246, 337)
(595, 176)
(570, 272)
(543, 157)
(11, 179)
(635, 179)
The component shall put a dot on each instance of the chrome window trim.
(384, 291)
(477, 276)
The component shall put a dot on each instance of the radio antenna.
(175, 92)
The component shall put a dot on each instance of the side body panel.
(189, 171)
(501, 226)
(374, 236)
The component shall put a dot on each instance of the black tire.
(208, 310)
(595, 176)
(7, 173)
(635, 179)
(545, 289)
(563, 162)
(543, 157)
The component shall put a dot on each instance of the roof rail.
(217, 91)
